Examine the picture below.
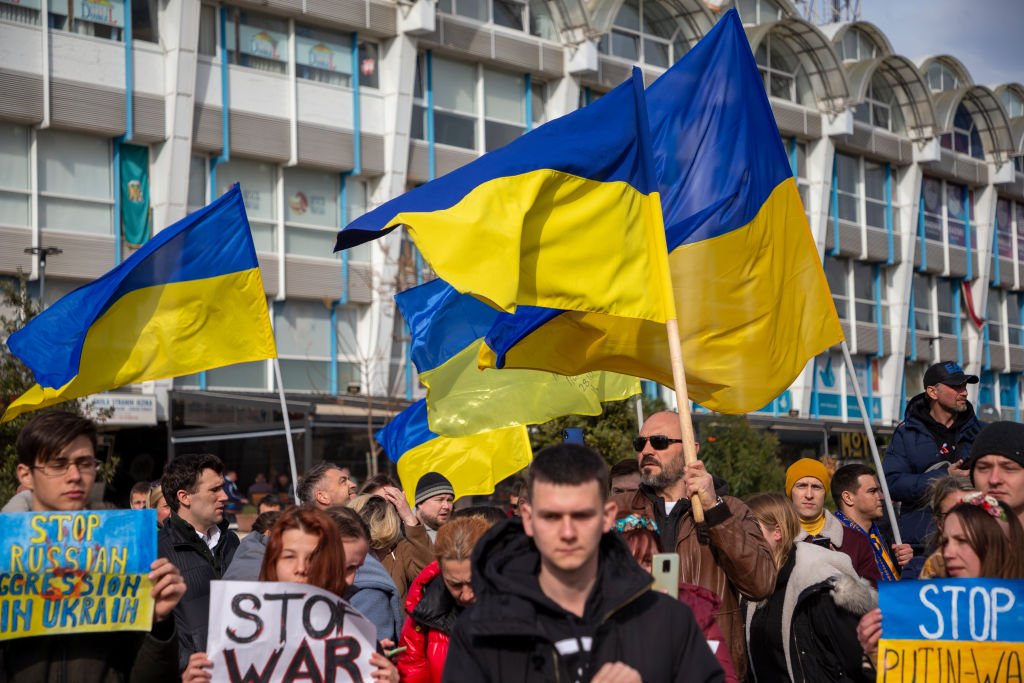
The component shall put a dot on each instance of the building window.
(197, 183)
(922, 303)
(323, 56)
(504, 108)
(310, 213)
(208, 30)
(257, 41)
(847, 180)
(1004, 228)
(302, 330)
(956, 217)
(798, 151)
(645, 31)
(75, 183)
(946, 292)
(965, 138)
(239, 376)
(351, 358)
(784, 76)
(941, 77)
(1013, 103)
(993, 316)
(856, 46)
(99, 18)
(874, 195)
(880, 107)
(865, 308)
(932, 193)
(835, 275)
(357, 198)
(519, 15)
(145, 18)
(757, 11)
(258, 181)
(1020, 230)
(1015, 326)
(15, 176)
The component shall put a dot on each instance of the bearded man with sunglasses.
(735, 561)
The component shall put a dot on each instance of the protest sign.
(955, 630)
(76, 572)
(262, 631)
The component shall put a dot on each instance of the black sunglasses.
(658, 442)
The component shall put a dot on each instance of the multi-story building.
(911, 175)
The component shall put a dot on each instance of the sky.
(986, 35)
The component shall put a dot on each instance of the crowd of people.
(557, 584)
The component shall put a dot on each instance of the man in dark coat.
(197, 540)
(933, 441)
(565, 600)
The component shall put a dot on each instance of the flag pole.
(640, 411)
(871, 442)
(685, 420)
(287, 429)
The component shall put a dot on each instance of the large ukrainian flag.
(191, 299)
(473, 464)
(446, 331)
(566, 216)
(752, 299)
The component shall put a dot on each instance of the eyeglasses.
(658, 442)
(60, 466)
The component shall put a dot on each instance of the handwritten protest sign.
(76, 572)
(952, 630)
(263, 631)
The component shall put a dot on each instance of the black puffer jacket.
(179, 542)
(510, 633)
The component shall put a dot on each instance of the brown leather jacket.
(738, 560)
(408, 558)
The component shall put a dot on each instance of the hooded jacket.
(375, 596)
(248, 558)
(432, 613)
(179, 542)
(515, 633)
(850, 543)
(918, 454)
(821, 600)
(737, 562)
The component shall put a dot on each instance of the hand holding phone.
(665, 570)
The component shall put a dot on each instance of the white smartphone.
(665, 570)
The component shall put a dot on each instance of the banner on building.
(135, 217)
(279, 631)
(952, 630)
(76, 572)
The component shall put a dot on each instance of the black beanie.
(432, 484)
(999, 438)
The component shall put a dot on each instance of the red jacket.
(704, 605)
(432, 612)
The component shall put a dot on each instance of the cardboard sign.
(279, 631)
(955, 630)
(76, 572)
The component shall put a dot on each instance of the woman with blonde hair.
(806, 630)
(437, 597)
(397, 539)
(157, 502)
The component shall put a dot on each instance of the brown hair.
(643, 545)
(456, 539)
(776, 511)
(382, 518)
(327, 568)
(350, 525)
(993, 546)
(47, 434)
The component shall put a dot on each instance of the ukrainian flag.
(753, 303)
(191, 299)
(473, 464)
(447, 331)
(541, 220)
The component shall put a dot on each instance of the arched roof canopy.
(987, 112)
(948, 62)
(837, 32)
(693, 17)
(815, 52)
(906, 82)
(571, 17)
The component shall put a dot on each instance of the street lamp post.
(42, 253)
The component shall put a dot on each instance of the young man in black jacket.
(565, 601)
(197, 540)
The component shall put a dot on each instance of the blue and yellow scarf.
(886, 566)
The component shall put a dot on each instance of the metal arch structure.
(951, 62)
(988, 114)
(907, 83)
(572, 18)
(817, 54)
(835, 32)
(1017, 130)
(693, 17)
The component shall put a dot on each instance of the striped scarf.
(887, 568)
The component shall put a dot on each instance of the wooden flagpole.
(685, 420)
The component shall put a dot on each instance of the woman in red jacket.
(436, 598)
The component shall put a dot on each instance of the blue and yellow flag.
(191, 299)
(566, 216)
(753, 302)
(447, 330)
(473, 464)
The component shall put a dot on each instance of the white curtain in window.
(197, 181)
(257, 182)
(75, 165)
(454, 85)
(303, 329)
(503, 96)
(14, 163)
(311, 198)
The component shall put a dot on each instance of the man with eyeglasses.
(736, 560)
(57, 463)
